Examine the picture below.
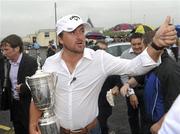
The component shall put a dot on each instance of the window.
(118, 48)
(46, 34)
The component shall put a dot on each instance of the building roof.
(46, 30)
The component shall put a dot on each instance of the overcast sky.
(28, 16)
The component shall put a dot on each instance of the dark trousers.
(19, 127)
(136, 117)
(148, 125)
(104, 113)
(105, 110)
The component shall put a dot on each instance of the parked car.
(116, 49)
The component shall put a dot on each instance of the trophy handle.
(27, 83)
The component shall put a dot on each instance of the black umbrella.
(95, 35)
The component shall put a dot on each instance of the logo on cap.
(75, 18)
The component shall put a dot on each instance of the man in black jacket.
(20, 65)
(105, 110)
(1, 74)
(161, 91)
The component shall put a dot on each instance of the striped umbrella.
(123, 26)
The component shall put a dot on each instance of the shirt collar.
(131, 50)
(87, 54)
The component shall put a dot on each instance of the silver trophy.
(42, 86)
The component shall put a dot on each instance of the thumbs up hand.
(166, 35)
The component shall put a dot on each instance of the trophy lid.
(40, 74)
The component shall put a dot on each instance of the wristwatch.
(153, 45)
(130, 92)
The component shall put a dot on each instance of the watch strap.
(153, 45)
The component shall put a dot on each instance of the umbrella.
(142, 29)
(95, 35)
(123, 26)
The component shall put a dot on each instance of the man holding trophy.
(81, 73)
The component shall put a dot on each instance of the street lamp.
(55, 18)
(55, 12)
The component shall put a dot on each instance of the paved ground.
(119, 120)
(5, 124)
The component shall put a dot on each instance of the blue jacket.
(161, 87)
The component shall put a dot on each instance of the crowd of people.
(145, 74)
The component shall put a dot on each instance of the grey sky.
(28, 16)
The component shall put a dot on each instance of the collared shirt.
(129, 54)
(131, 50)
(13, 76)
(76, 94)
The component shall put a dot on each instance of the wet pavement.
(5, 124)
(118, 121)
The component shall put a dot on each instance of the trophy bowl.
(42, 86)
(42, 89)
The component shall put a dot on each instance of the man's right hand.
(115, 90)
(35, 114)
(124, 89)
(34, 129)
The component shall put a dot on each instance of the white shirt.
(13, 74)
(76, 103)
(54, 44)
(171, 123)
(131, 50)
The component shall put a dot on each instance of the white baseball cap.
(69, 23)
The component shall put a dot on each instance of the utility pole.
(173, 21)
(55, 18)
(131, 21)
(55, 12)
(144, 19)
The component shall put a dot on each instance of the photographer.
(51, 49)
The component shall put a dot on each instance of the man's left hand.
(133, 101)
(18, 86)
(166, 35)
